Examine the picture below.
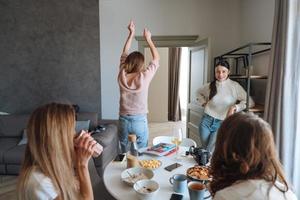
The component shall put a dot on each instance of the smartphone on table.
(172, 167)
(176, 196)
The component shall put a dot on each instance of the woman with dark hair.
(244, 164)
(220, 98)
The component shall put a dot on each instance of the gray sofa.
(11, 154)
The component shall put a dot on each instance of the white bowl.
(132, 175)
(146, 189)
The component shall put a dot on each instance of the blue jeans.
(208, 129)
(133, 124)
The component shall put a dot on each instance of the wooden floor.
(8, 187)
(8, 183)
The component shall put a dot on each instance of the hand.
(147, 34)
(231, 110)
(131, 27)
(84, 148)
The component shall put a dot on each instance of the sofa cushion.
(5, 145)
(13, 169)
(24, 139)
(15, 155)
(105, 138)
(12, 125)
(82, 125)
(2, 169)
(110, 142)
(92, 116)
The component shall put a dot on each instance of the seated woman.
(56, 162)
(244, 164)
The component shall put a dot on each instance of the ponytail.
(213, 89)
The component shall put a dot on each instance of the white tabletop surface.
(122, 191)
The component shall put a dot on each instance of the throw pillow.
(4, 113)
(24, 139)
(82, 125)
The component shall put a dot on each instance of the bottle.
(132, 154)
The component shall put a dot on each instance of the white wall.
(158, 90)
(217, 19)
(257, 20)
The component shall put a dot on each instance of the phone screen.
(176, 196)
(172, 167)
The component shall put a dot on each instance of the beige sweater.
(134, 88)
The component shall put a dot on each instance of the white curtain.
(283, 92)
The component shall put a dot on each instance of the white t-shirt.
(39, 187)
(254, 190)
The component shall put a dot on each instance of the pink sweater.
(134, 88)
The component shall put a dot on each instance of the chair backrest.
(186, 142)
(159, 139)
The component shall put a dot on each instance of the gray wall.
(49, 51)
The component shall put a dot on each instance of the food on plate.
(199, 172)
(136, 177)
(146, 190)
(150, 164)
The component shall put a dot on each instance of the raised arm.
(154, 52)
(131, 28)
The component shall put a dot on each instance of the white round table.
(121, 191)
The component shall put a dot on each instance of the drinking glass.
(177, 139)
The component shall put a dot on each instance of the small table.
(121, 191)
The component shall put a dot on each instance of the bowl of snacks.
(150, 164)
(146, 189)
(198, 173)
(132, 175)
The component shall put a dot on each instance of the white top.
(228, 92)
(39, 186)
(254, 190)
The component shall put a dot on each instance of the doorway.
(158, 98)
(158, 110)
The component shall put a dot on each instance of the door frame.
(200, 45)
(191, 41)
(194, 110)
(179, 41)
(167, 41)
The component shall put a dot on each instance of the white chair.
(186, 142)
(164, 139)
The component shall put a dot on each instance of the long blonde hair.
(245, 150)
(50, 149)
